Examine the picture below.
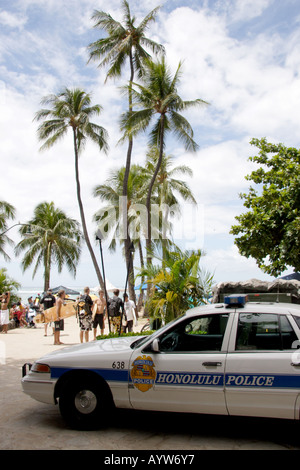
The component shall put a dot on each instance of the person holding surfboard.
(59, 323)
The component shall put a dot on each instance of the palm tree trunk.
(47, 268)
(141, 297)
(128, 253)
(148, 202)
(84, 228)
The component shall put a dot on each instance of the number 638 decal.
(118, 365)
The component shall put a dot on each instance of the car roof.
(250, 307)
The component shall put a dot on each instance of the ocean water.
(33, 292)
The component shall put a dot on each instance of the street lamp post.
(99, 236)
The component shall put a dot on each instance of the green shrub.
(122, 335)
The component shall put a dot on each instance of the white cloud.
(250, 87)
(228, 265)
(11, 20)
(244, 10)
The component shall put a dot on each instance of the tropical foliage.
(109, 216)
(269, 230)
(177, 285)
(154, 106)
(55, 239)
(165, 192)
(124, 42)
(161, 107)
(72, 109)
(7, 212)
(8, 284)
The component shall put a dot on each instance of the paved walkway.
(26, 424)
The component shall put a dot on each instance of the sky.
(241, 56)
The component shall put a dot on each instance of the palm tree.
(72, 109)
(108, 217)
(7, 211)
(124, 41)
(178, 284)
(54, 239)
(166, 188)
(158, 95)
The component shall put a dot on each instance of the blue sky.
(242, 56)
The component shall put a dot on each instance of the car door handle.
(211, 364)
(295, 364)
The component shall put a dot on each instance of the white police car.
(237, 358)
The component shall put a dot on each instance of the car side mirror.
(155, 345)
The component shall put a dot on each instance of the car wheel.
(84, 403)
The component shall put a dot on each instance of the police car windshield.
(139, 342)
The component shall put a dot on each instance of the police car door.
(260, 378)
(187, 372)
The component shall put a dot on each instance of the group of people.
(91, 313)
(121, 315)
(21, 314)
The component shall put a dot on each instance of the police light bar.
(236, 300)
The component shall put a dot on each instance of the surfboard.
(49, 315)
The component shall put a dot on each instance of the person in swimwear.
(99, 313)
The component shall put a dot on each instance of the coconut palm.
(7, 211)
(158, 95)
(125, 41)
(108, 217)
(166, 190)
(164, 195)
(167, 184)
(72, 109)
(54, 239)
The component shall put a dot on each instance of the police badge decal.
(143, 373)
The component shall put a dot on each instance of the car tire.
(85, 403)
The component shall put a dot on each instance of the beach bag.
(114, 308)
(83, 307)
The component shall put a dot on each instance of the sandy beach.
(31, 343)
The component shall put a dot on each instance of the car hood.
(94, 347)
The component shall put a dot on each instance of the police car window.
(288, 335)
(139, 342)
(297, 320)
(261, 331)
(198, 334)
